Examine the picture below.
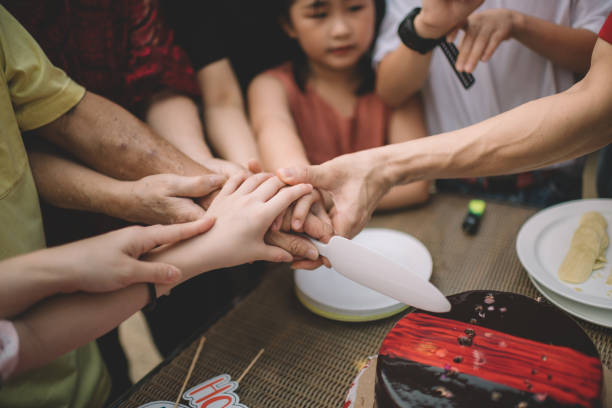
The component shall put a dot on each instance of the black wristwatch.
(410, 37)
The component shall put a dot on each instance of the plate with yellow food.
(566, 249)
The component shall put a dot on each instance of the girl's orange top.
(325, 132)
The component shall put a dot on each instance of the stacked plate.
(542, 244)
(329, 294)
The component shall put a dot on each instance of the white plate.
(544, 240)
(596, 315)
(328, 293)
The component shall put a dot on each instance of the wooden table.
(310, 361)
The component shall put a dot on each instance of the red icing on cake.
(496, 356)
(492, 349)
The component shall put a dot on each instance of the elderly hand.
(439, 17)
(166, 198)
(483, 34)
(355, 183)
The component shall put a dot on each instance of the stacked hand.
(353, 182)
(244, 210)
(167, 198)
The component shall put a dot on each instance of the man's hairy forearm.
(111, 140)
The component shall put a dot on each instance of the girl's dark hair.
(300, 61)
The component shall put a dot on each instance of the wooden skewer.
(193, 361)
(252, 363)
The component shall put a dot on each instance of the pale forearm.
(112, 141)
(227, 126)
(62, 323)
(405, 195)
(280, 146)
(568, 47)
(176, 119)
(229, 133)
(401, 74)
(67, 322)
(28, 279)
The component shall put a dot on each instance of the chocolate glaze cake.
(492, 349)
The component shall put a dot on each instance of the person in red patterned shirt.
(539, 133)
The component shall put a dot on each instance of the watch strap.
(411, 39)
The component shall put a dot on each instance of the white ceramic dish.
(330, 294)
(544, 240)
(597, 315)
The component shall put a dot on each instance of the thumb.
(313, 175)
(154, 272)
(196, 186)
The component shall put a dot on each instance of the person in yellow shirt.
(34, 95)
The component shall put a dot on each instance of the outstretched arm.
(156, 199)
(100, 264)
(243, 210)
(539, 133)
(225, 119)
(407, 123)
(534, 135)
(111, 140)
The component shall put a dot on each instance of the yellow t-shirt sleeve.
(39, 91)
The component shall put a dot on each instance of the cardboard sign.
(218, 392)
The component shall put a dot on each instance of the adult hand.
(111, 261)
(439, 17)
(167, 198)
(355, 183)
(313, 221)
(483, 34)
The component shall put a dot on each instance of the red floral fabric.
(120, 49)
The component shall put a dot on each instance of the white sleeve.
(387, 39)
(589, 14)
(9, 349)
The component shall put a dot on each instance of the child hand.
(245, 208)
(483, 34)
(111, 261)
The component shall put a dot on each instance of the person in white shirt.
(530, 49)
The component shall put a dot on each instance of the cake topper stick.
(251, 364)
(193, 361)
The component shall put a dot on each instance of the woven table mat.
(310, 361)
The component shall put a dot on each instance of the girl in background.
(322, 103)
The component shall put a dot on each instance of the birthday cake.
(493, 349)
